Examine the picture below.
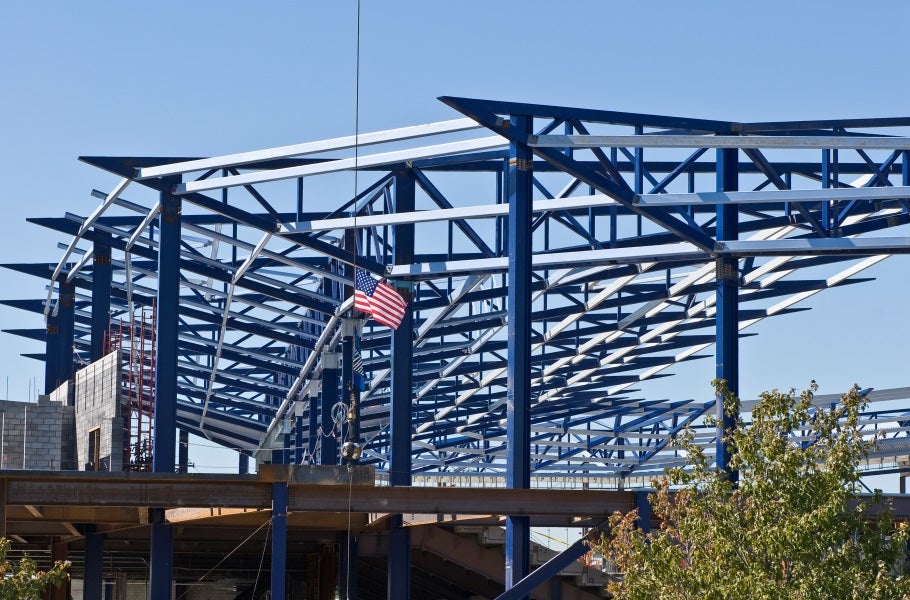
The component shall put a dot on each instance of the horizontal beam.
(555, 260)
(342, 164)
(341, 143)
(768, 196)
(720, 141)
(815, 246)
(449, 214)
(115, 489)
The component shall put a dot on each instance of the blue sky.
(203, 78)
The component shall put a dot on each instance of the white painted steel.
(340, 143)
(342, 164)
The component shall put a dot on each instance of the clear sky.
(204, 78)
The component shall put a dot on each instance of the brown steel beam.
(236, 492)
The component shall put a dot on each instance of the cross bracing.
(627, 240)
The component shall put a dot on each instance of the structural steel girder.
(621, 289)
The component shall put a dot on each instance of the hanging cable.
(347, 550)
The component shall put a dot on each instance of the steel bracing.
(629, 229)
(554, 260)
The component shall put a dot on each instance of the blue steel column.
(279, 537)
(101, 292)
(518, 409)
(93, 579)
(727, 320)
(328, 454)
(162, 563)
(166, 334)
(162, 535)
(399, 582)
(66, 315)
(298, 433)
(243, 464)
(51, 353)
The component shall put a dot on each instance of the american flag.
(378, 299)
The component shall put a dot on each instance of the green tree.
(794, 526)
(23, 580)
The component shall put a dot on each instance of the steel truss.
(627, 245)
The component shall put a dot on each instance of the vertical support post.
(313, 429)
(66, 315)
(165, 407)
(93, 580)
(328, 454)
(644, 510)
(727, 319)
(518, 400)
(2, 507)
(166, 332)
(347, 376)
(162, 556)
(51, 353)
(243, 463)
(183, 452)
(298, 432)
(279, 537)
(59, 551)
(399, 582)
(101, 292)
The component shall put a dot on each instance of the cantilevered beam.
(816, 246)
(876, 193)
(342, 164)
(341, 143)
(808, 142)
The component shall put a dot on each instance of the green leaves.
(23, 580)
(793, 528)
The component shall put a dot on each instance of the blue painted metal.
(459, 363)
(166, 334)
(183, 451)
(101, 293)
(243, 463)
(546, 571)
(518, 395)
(399, 585)
(65, 323)
(644, 510)
(727, 320)
(298, 439)
(162, 558)
(279, 537)
(313, 427)
(51, 353)
(93, 579)
(329, 396)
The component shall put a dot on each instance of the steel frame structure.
(551, 268)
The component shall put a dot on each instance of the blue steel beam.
(101, 294)
(401, 363)
(279, 538)
(166, 334)
(518, 394)
(66, 307)
(727, 321)
(51, 353)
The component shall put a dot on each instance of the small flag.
(360, 377)
(378, 299)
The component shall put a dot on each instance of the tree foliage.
(795, 526)
(23, 580)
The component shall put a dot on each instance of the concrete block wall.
(37, 436)
(99, 405)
